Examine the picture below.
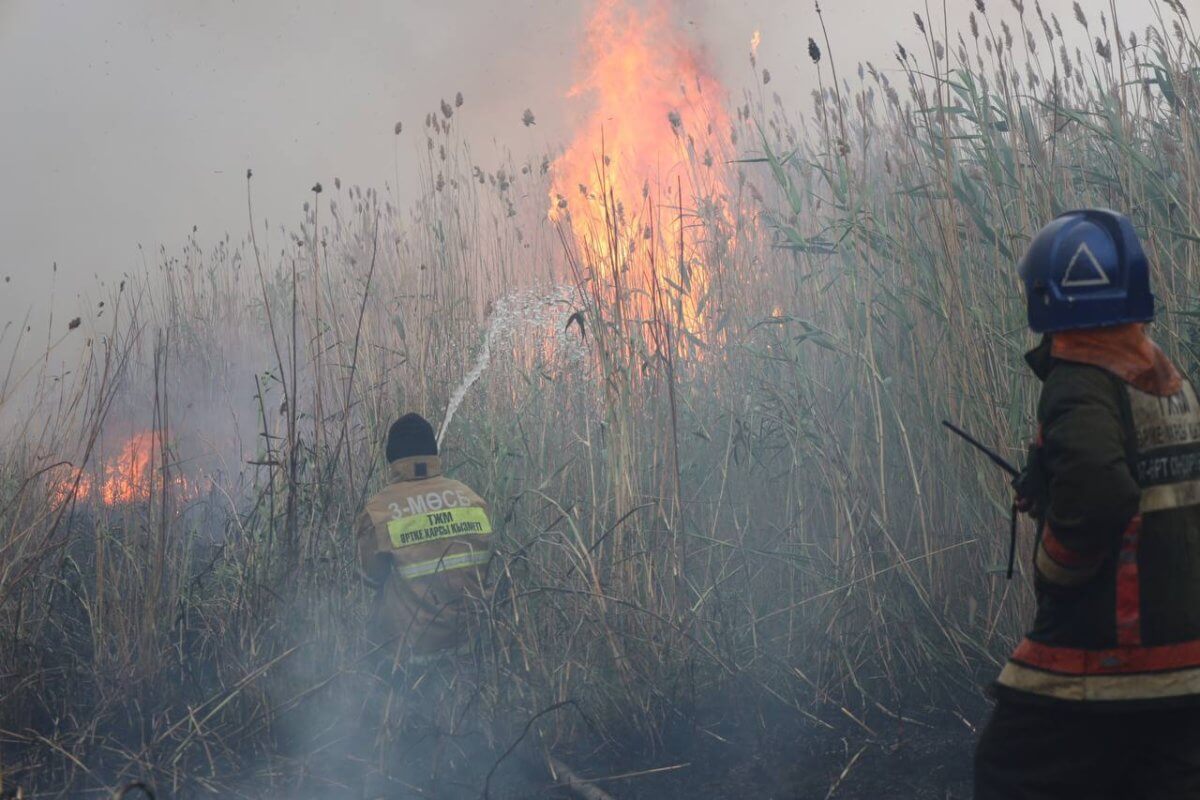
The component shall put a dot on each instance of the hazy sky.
(130, 121)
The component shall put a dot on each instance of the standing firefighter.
(1100, 699)
(424, 542)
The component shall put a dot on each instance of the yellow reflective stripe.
(1054, 572)
(471, 558)
(1140, 686)
(1170, 495)
(435, 525)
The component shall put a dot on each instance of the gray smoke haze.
(130, 122)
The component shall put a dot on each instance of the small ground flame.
(657, 130)
(133, 475)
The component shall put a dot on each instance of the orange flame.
(131, 476)
(645, 168)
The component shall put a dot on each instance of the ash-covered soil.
(927, 757)
(740, 750)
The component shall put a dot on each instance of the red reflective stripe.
(1074, 661)
(1041, 436)
(1071, 559)
(1129, 595)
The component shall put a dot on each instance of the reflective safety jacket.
(425, 542)
(1117, 559)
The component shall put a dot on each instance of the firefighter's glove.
(378, 569)
(1032, 486)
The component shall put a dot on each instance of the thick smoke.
(106, 159)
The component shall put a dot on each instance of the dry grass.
(764, 507)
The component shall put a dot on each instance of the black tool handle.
(995, 459)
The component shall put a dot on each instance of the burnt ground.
(928, 757)
(741, 749)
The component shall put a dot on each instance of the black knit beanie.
(411, 435)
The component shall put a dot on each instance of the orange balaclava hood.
(1124, 350)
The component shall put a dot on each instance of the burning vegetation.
(642, 186)
(728, 531)
(136, 472)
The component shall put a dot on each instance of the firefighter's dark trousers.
(1032, 752)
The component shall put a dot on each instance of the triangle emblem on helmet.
(1084, 270)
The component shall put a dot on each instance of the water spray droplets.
(537, 309)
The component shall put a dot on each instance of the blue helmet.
(1086, 269)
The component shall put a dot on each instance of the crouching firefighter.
(1102, 698)
(424, 542)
